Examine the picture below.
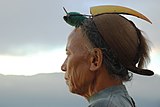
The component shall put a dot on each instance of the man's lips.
(66, 78)
(67, 82)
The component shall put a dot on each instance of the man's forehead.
(75, 32)
(76, 39)
(75, 35)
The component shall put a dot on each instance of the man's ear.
(96, 59)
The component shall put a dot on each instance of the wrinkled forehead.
(75, 39)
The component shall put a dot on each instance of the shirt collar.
(111, 90)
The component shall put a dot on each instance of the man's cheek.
(76, 78)
(72, 78)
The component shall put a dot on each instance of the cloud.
(39, 23)
(31, 23)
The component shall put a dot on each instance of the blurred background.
(33, 36)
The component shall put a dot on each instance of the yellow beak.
(97, 10)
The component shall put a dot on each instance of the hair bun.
(140, 71)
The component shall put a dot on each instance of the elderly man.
(100, 53)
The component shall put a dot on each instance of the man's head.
(107, 44)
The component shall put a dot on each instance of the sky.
(33, 33)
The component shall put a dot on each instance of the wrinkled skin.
(76, 66)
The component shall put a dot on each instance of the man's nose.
(63, 67)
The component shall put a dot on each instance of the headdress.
(99, 15)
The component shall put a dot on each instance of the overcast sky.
(31, 26)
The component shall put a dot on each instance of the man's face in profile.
(77, 64)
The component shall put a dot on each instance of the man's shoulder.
(112, 101)
(116, 96)
(103, 102)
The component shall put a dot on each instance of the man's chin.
(76, 91)
(73, 90)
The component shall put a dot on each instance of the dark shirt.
(116, 96)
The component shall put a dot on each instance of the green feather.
(74, 18)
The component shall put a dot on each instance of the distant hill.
(50, 90)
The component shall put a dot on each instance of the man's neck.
(102, 81)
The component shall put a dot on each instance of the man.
(100, 52)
